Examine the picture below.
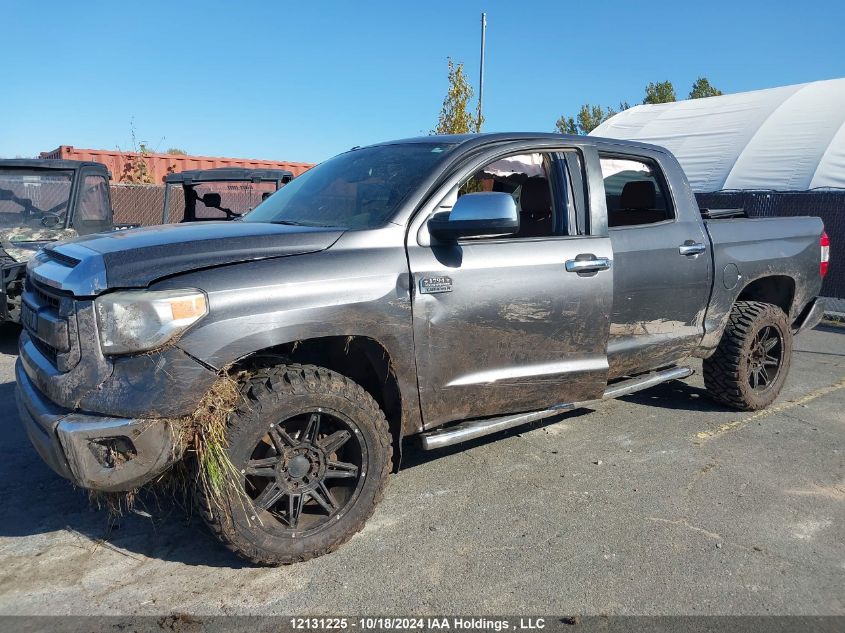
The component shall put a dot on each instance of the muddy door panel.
(504, 326)
(660, 295)
(662, 263)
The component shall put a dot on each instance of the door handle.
(587, 264)
(691, 247)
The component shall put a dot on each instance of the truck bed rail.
(718, 214)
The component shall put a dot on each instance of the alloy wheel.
(306, 471)
(765, 358)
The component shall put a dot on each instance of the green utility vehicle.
(44, 201)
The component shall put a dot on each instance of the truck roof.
(52, 163)
(502, 137)
(227, 174)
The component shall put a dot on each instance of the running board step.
(624, 387)
(472, 429)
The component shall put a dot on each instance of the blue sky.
(304, 81)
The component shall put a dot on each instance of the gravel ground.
(658, 503)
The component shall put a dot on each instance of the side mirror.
(51, 221)
(486, 213)
(212, 200)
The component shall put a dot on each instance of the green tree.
(177, 151)
(566, 125)
(702, 88)
(660, 92)
(591, 116)
(588, 119)
(456, 116)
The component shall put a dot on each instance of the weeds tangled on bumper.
(204, 435)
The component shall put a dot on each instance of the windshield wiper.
(293, 223)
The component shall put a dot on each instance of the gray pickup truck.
(444, 287)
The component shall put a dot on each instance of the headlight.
(139, 321)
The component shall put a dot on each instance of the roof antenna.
(481, 71)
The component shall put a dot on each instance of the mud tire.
(275, 394)
(727, 373)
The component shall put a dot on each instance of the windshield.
(360, 189)
(28, 196)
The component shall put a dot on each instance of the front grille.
(43, 298)
(50, 322)
(48, 351)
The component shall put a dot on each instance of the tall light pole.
(481, 70)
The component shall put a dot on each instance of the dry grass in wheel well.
(203, 439)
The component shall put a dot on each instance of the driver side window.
(526, 177)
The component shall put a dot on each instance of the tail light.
(824, 243)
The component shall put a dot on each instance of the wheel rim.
(306, 471)
(765, 358)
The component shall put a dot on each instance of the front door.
(500, 325)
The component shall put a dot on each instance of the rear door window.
(635, 192)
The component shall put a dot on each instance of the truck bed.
(748, 248)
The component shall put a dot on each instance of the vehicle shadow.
(835, 328)
(9, 333)
(414, 455)
(675, 394)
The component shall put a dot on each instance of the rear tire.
(748, 369)
(314, 450)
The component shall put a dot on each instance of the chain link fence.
(140, 204)
(143, 204)
(237, 197)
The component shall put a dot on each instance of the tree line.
(590, 116)
(457, 115)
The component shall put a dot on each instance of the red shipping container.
(159, 165)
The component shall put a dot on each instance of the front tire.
(748, 369)
(314, 452)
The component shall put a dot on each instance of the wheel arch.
(360, 358)
(778, 290)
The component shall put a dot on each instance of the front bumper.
(93, 451)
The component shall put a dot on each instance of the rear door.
(662, 271)
(500, 324)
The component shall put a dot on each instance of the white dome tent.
(790, 138)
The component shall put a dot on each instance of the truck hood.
(135, 258)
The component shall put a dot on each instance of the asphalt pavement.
(662, 502)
